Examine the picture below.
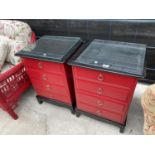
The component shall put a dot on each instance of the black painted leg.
(39, 100)
(123, 127)
(77, 113)
(72, 111)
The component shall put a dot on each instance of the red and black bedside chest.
(46, 66)
(105, 76)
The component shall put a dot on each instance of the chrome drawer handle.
(44, 77)
(100, 77)
(98, 112)
(40, 65)
(100, 103)
(100, 91)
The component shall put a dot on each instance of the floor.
(49, 119)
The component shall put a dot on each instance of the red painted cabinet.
(49, 83)
(49, 73)
(105, 76)
(103, 98)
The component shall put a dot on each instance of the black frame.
(74, 63)
(25, 54)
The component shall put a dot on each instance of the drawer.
(43, 65)
(101, 103)
(46, 86)
(99, 112)
(104, 90)
(55, 96)
(44, 76)
(101, 77)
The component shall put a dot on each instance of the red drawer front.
(46, 89)
(54, 95)
(45, 66)
(104, 90)
(100, 112)
(101, 77)
(46, 86)
(44, 76)
(105, 104)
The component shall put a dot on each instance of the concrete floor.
(49, 119)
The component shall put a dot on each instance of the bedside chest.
(105, 76)
(46, 66)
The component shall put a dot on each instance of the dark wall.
(136, 31)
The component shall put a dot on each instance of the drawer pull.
(44, 77)
(100, 103)
(51, 95)
(40, 65)
(98, 112)
(48, 87)
(100, 91)
(100, 77)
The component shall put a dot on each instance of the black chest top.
(51, 48)
(113, 56)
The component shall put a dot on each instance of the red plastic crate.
(12, 84)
